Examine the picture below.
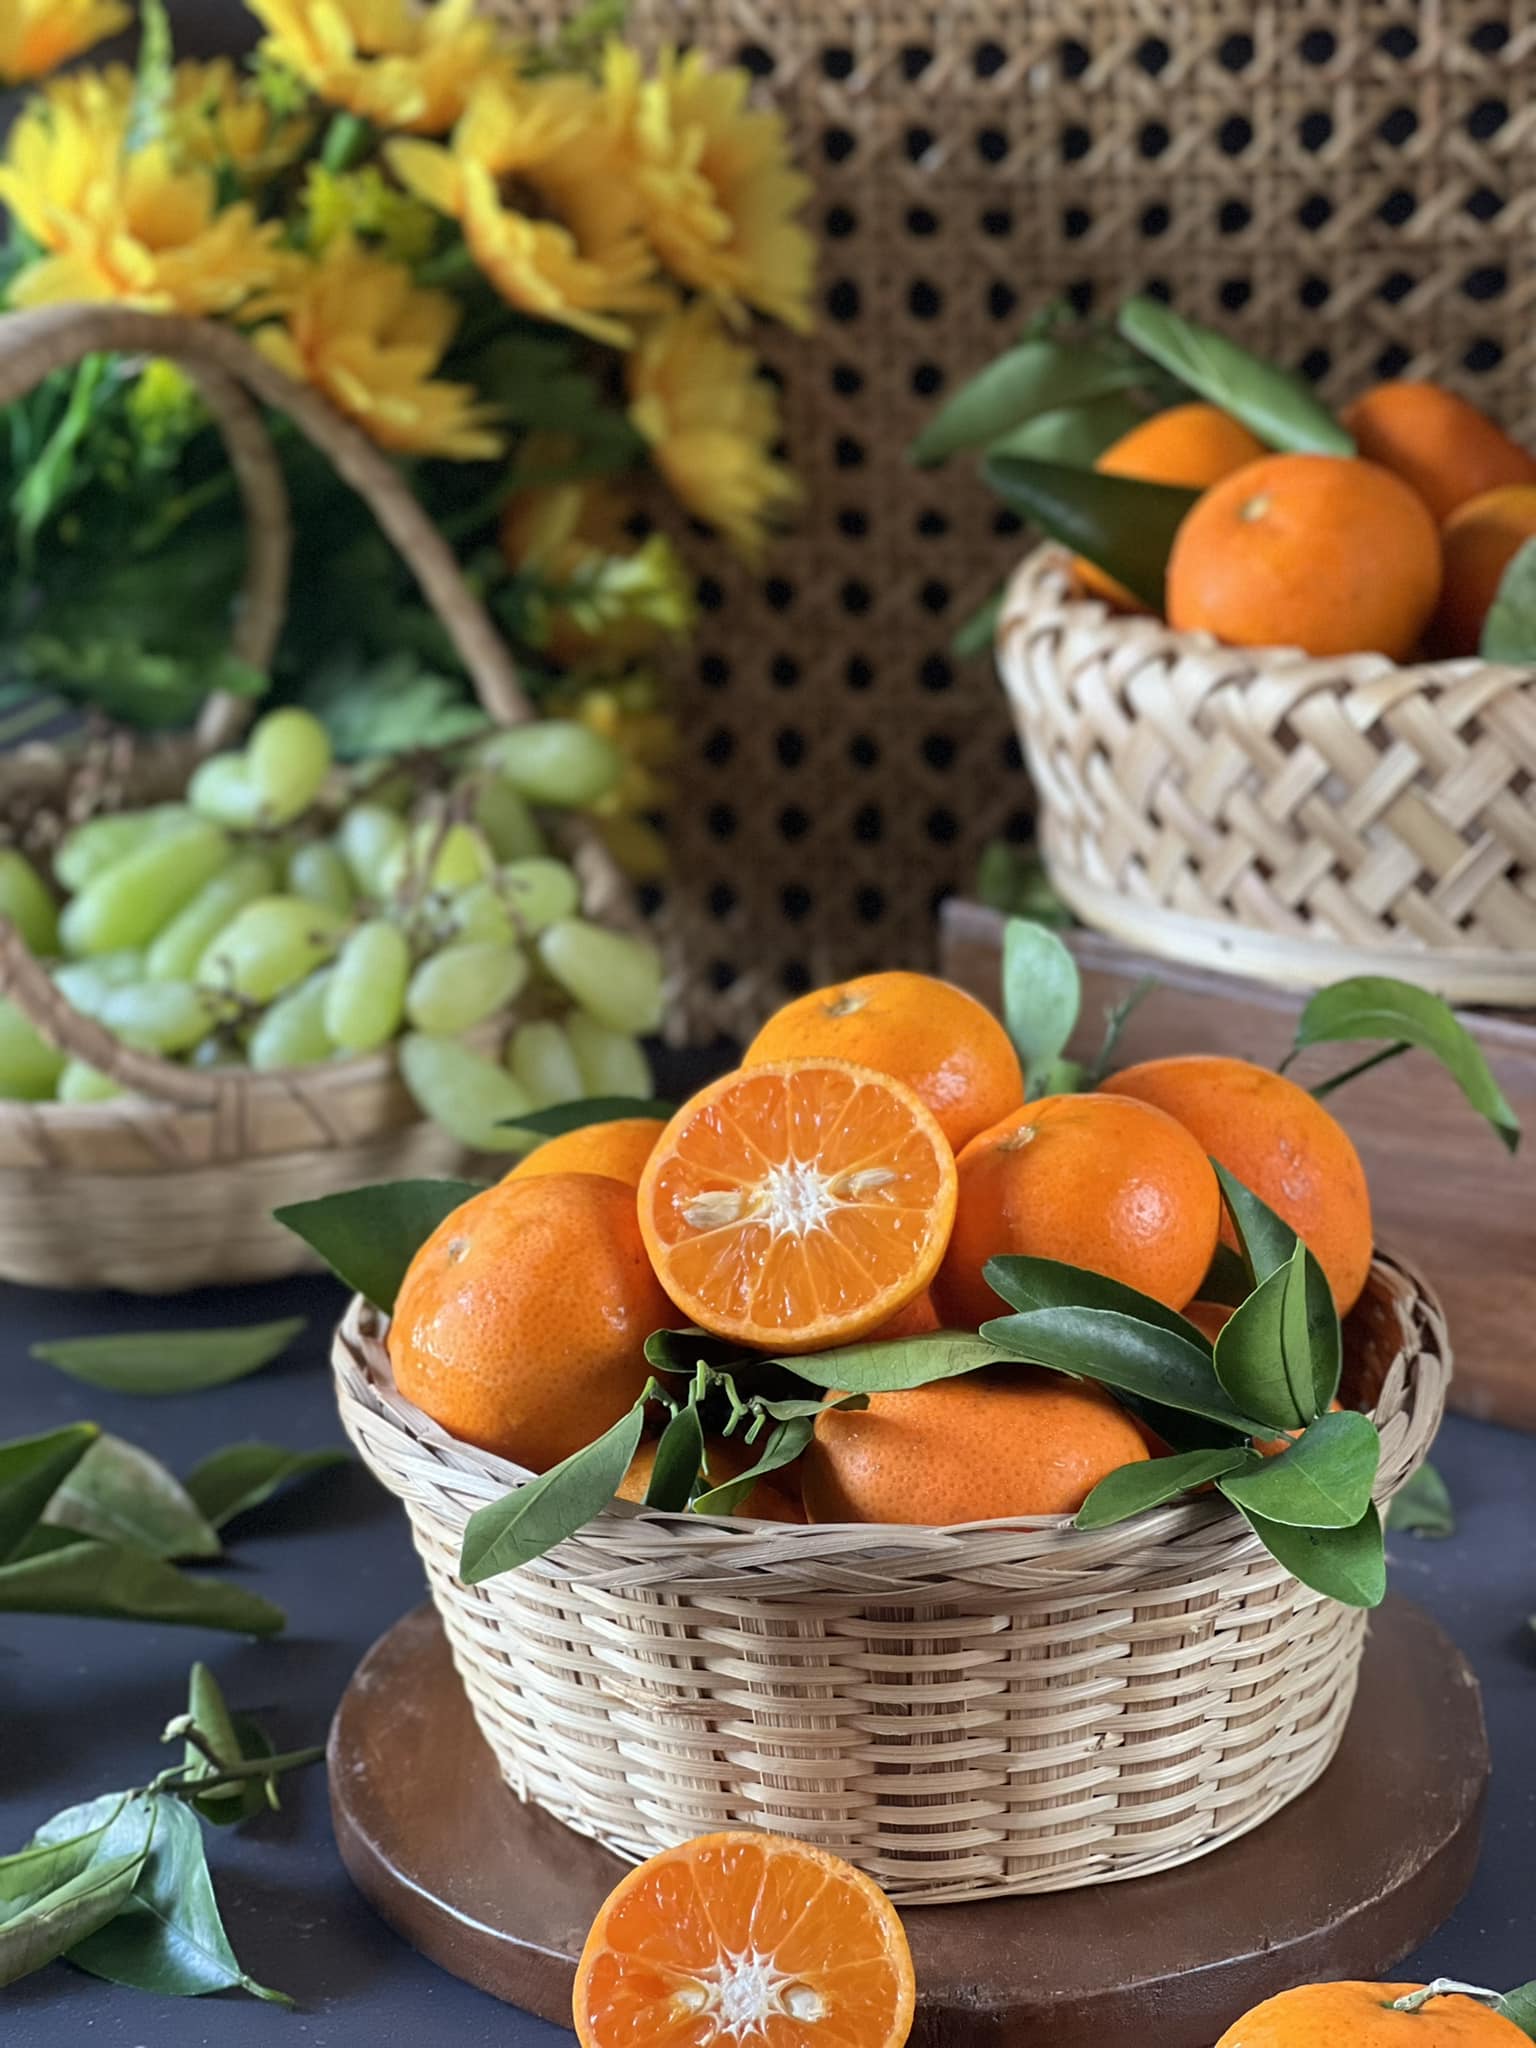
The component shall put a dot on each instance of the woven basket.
(1256, 810)
(965, 1713)
(172, 1186)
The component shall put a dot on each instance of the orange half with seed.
(798, 1204)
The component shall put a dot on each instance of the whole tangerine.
(521, 1322)
(1479, 540)
(618, 1150)
(1131, 1197)
(1320, 552)
(1442, 446)
(1323, 2015)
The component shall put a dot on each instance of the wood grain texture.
(1443, 1188)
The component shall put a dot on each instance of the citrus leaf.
(685, 1350)
(122, 1495)
(679, 1454)
(32, 1469)
(109, 1581)
(783, 1447)
(977, 633)
(227, 1805)
(792, 1411)
(1028, 1283)
(1270, 402)
(1038, 376)
(1323, 1481)
(1135, 1488)
(1263, 1355)
(561, 1117)
(1265, 1240)
(1123, 1352)
(1121, 524)
(1509, 631)
(1348, 1565)
(1075, 434)
(1116, 1017)
(170, 1361)
(524, 1524)
(207, 1711)
(42, 1867)
(1519, 2007)
(46, 1927)
(1377, 1006)
(1423, 1507)
(894, 1366)
(1042, 994)
(1227, 1281)
(368, 1236)
(242, 1476)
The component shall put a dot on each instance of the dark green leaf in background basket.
(679, 1453)
(170, 1361)
(1120, 523)
(1029, 1283)
(31, 1471)
(1135, 1488)
(1349, 1565)
(121, 1494)
(1323, 1481)
(781, 1449)
(1371, 1006)
(243, 1476)
(1265, 1240)
(1074, 434)
(1038, 376)
(1265, 1353)
(1279, 408)
(110, 1581)
(1042, 994)
(977, 633)
(1013, 880)
(1123, 1352)
(1423, 1507)
(1509, 631)
(524, 1524)
(368, 1236)
(893, 1366)
(561, 1117)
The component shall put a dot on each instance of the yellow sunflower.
(219, 118)
(535, 182)
(602, 595)
(716, 190)
(711, 423)
(359, 330)
(397, 63)
(36, 35)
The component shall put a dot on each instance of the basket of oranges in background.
(956, 1458)
(1271, 671)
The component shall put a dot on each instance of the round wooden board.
(1342, 1883)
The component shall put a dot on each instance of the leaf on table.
(1281, 409)
(523, 1524)
(1323, 1481)
(230, 1743)
(170, 1361)
(241, 1476)
(679, 1454)
(1348, 1565)
(1134, 1488)
(1423, 1507)
(31, 1471)
(1123, 525)
(110, 1581)
(1042, 994)
(1038, 376)
(42, 1867)
(1509, 630)
(786, 1443)
(121, 1494)
(1264, 1239)
(561, 1117)
(893, 1366)
(47, 1926)
(1121, 1351)
(1029, 1283)
(368, 1236)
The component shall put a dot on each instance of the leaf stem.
(1442, 1987)
(180, 1784)
(1376, 1059)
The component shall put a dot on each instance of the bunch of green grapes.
(288, 913)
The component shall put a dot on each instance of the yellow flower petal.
(396, 63)
(38, 35)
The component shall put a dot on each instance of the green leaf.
(48, 1926)
(1121, 1351)
(122, 1495)
(561, 1117)
(1263, 1354)
(1122, 524)
(977, 633)
(525, 1523)
(1075, 434)
(1042, 994)
(242, 1476)
(1323, 1481)
(1265, 1240)
(108, 1581)
(1135, 1488)
(1423, 1507)
(782, 1448)
(1509, 631)
(1037, 376)
(679, 1454)
(1227, 1280)
(1280, 408)
(1029, 1283)
(42, 1867)
(1014, 881)
(1116, 1017)
(207, 1710)
(1348, 1565)
(369, 1236)
(31, 1471)
(1377, 1006)
(685, 1350)
(795, 1411)
(892, 1367)
(1519, 2007)
(171, 1361)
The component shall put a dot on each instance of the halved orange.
(741, 1938)
(798, 1204)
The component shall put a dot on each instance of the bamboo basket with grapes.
(208, 958)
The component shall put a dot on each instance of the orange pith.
(618, 1149)
(1354, 2015)
(798, 1204)
(741, 1938)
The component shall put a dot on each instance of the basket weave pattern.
(964, 1713)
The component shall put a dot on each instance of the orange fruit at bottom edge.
(618, 1149)
(1320, 552)
(1479, 540)
(1330, 2015)
(799, 1204)
(738, 1938)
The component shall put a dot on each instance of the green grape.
(366, 839)
(469, 1095)
(129, 902)
(365, 1003)
(287, 759)
(610, 1062)
(100, 843)
(159, 1016)
(221, 789)
(26, 901)
(511, 830)
(268, 946)
(541, 1060)
(317, 871)
(614, 978)
(86, 984)
(292, 1033)
(479, 913)
(79, 1081)
(538, 893)
(456, 988)
(177, 949)
(461, 857)
(29, 1065)
(555, 761)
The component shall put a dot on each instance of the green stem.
(347, 140)
(180, 1785)
(1377, 1059)
(1442, 1987)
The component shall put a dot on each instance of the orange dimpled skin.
(1131, 1196)
(1318, 552)
(988, 1446)
(940, 1041)
(617, 1150)
(744, 1938)
(1354, 2015)
(521, 1323)
(1437, 442)
(1280, 1142)
(1480, 540)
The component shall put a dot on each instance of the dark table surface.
(82, 1703)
